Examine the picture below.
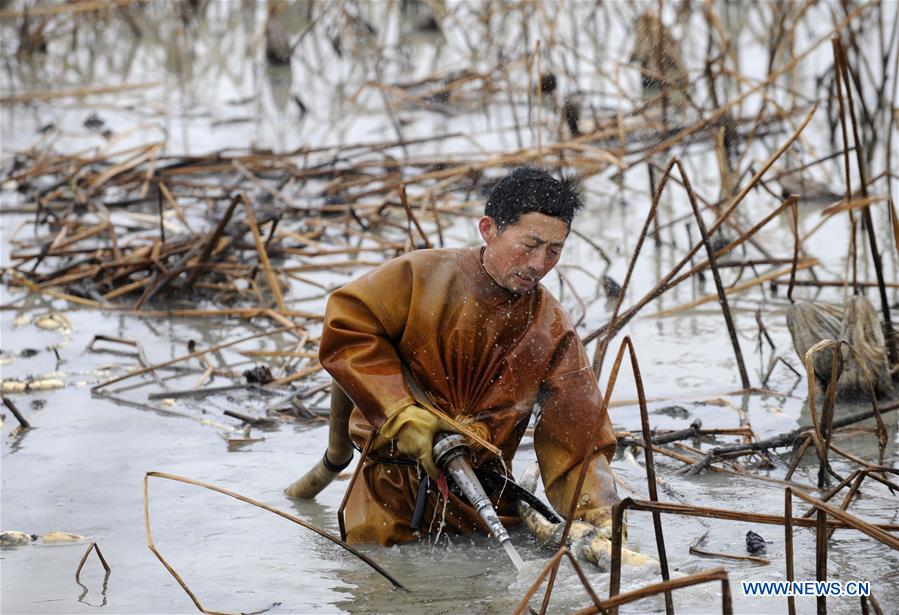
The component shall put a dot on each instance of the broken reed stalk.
(611, 604)
(821, 522)
(651, 474)
(152, 545)
(273, 284)
(661, 288)
(612, 327)
(847, 500)
(255, 421)
(191, 355)
(92, 547)
(797, 454)
(824, 427)
(693, 431)
(212, 239)
(194, 393)
(599, 351)
(788, 545)
(857, 476)
(822, 436)
(301, 373)
(726, 514)
(848, 175)
(201, 419)
(551, 565)
(785, 439)
(617, 544)
(626, 344)
(691, 461)
(244, 313)
(793, 200)
(833, 491)
(853, 458)
(23, 422)
(722, 296)
(721, 111)
(842, 520)
(821, 557)
(843, 73)
(730, 247)
(139, 351)
(695, 550)
(161, 208)
(412, 219)
(82, 92)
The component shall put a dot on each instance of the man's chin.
(520, 287)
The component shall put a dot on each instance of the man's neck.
(488, 272)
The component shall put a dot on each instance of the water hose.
(338, 455)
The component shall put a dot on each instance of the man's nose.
(538, 260)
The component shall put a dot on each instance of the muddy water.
(81, 468)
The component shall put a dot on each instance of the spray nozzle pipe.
(451, 455)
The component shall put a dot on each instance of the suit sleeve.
(364, 322)
(571, 404)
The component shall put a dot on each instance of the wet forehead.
(541, 228)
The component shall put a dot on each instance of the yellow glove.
(414, 429)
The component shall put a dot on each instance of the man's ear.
(487, 226)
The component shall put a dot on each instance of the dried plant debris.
(11, 386)
(859, 325)
(13, 538)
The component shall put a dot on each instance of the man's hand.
(414, 429)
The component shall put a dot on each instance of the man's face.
(520, 255)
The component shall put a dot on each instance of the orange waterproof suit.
(478, 352)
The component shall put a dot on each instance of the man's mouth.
(524, 279)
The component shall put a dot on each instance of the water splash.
(513, 555)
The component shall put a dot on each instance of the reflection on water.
(85, 591)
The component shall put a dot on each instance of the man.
(472, 333)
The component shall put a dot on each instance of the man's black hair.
(527, 190)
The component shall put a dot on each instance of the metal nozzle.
(448, 446)
(450, 454)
